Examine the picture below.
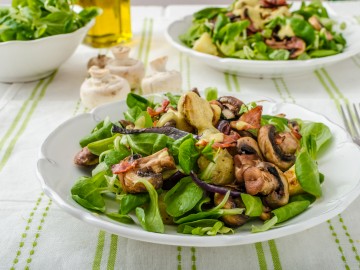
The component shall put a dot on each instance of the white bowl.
(23, 61)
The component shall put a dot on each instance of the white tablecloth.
(36, 234)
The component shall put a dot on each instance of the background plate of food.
(262, 39)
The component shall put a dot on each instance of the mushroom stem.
(130, 69)
(161, 80)
(159, 64)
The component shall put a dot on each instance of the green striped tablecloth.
(36, 234)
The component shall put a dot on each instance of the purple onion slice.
(212, 188)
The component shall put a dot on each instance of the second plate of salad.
(263, 39)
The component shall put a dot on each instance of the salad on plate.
(265, 30)
(207, 165)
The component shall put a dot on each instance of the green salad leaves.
(34, 19)
(263, 30)
(204, 184)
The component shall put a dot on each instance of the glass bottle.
(113, 26)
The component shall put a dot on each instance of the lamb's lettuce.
(34, 19)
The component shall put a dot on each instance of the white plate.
(57, 174)
(259, 68)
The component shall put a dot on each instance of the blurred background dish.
(264, 68)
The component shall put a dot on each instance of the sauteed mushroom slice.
(86, 158)
(279, 196)
(242, 163)
(231, 220)
(248, 146)
(230, 106)
(130, 184)
(278, 148)
(150, 168)
(267, 180)
(248, 155)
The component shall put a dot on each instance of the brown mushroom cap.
(248, 146)
(230, 106)
(279, 196)
(268, 180)
(271, 150)
(149, 168)
(230, 220)
(86, 158)
(130, 184)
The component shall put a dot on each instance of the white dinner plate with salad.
(58, 173)
(267, 68)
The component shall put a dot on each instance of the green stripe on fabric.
(236, 83)
(113, 251)
(327, 89)
(77, 107)
(283, 83)
(275, 255)
(20, 114)
(351, 241)
(330, 86)
(261, 256)
(356, 61)
(37, 234)
(340, 95)
(357, 18)
(337, 241)
(12, 144)
(148, 43)
(180, 63)
(179, 257)
(334, 86)
(188, 73)
(227, 82)
(193, 258)
(27, 228)
(142, 39)
(99, 251)
(278, 90)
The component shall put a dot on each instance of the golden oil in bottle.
(113, 26)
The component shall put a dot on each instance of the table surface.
(36, 234)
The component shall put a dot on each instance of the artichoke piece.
(219, 172)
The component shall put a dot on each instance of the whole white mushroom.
(161, 80)
(122, 65)
(102, 87)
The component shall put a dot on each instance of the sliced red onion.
(213, 188)
(170, 182)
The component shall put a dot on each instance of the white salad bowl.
(23, 61)
(263, 68)
(57, 174)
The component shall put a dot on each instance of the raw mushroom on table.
(102, 87)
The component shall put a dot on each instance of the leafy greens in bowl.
(34, 19)
(36, 37)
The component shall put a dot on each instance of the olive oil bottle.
(113, 26)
